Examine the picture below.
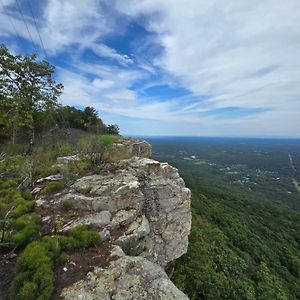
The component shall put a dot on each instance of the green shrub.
(28, 234)
(34, 279)
(14, 149)
(18, 223)
(51, 187)
(84, 237)
(24, 220)
(67, 204)
(34, 271)
(22, 207)
(26, 195)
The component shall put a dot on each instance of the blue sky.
(170, 67)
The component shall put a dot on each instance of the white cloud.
(226, 53)
(105, 51)
(234, 53)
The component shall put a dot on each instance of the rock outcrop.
(125, 278)
(141, 209)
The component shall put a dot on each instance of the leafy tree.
(113, 129)
(26, 87)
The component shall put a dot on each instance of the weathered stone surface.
(133, 240)
(55, 177)
(127, 278)
(129, 147)
(167, 208)
(123, 217)
(67, 159)
(104, 235)
(98, 219)
(140, 208)
(142, 187)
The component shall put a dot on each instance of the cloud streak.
(226, 67)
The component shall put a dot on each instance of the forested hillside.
(245, 242)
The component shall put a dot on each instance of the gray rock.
(104, 235)
(55, 177)
(67, 159)
(98, 219)
(127, 278)
(122, 218)
(133, 240)
(143, 187)
(143, 209)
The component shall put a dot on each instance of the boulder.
(126, 278)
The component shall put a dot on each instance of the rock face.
(133, 147)
(142, 209)
(125, 278)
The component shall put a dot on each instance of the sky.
(170, 67)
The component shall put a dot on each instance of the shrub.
(84, 237)
(67, 204)
(51, 187)
(34, 271)
(28, 234)
(18, 223)
(34, 279)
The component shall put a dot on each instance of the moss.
(51, 187)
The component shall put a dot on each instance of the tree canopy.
(26, 87)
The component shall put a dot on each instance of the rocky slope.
(141, 209)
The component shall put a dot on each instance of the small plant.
(84, 237)
(34, 279)
(19, 225)
(51, 187)
(67, 204)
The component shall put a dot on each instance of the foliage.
(95, 147)
(113, 129)
(244, 242)
(67, 204)
(34, 272)
(18, 223)
(51, 187)
(34, 279)
(27, 87)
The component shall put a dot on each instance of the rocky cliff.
(141, 209)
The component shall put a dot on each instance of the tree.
(113, 129)
(26, 87)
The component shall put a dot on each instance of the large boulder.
(126, 278)
(141, 209)
(144, 188)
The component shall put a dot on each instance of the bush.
(84, 237)
(67, 204)
(34, 271)
(28, 234)
(34, 279)
(51, 187)
(18, 223)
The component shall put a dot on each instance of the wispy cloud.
(226, 67)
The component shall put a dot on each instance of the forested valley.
(245, 240)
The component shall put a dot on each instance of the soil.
(7, 273)
(78, 265)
